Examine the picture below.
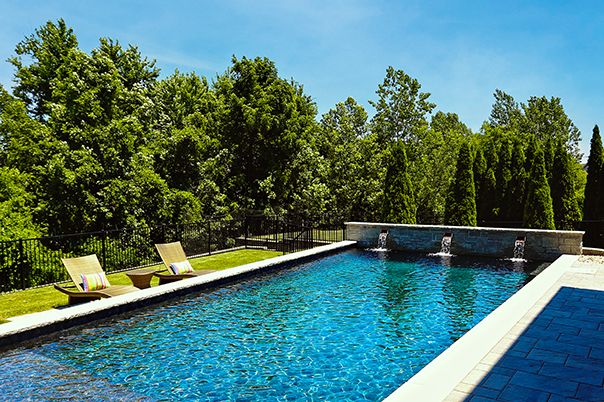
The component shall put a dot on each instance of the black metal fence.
(27, 263)
(594, 233)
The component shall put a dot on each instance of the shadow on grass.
(559, 357)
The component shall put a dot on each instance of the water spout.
(445, 244)
(382, 238)
(519, 247)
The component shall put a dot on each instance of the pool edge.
(27, 327)
(436, 380)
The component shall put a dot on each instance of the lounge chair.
(171, 253)
(78, 266)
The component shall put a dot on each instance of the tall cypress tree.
(479, 169)
(503, 175)
(594, 188)
(564, 196)
(516, 189)
(398, 204)
(485, 183)
(538, 212)
(529, 160)
(460, 209)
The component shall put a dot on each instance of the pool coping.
(435, 381)
(27, 327)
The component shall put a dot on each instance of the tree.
(505, 111)
(355, 174)
(25, 143)
(547, 120)
(182, 100)
(398, 203)
(512, 208)
(461, 202)
(401, 108)
(594, 188)
(16, 205)
(47, 50)
(485, 162)
(503, 173)
(448, 124)
(564, 197)
(538, 211)
(432, 164)
(265, 122)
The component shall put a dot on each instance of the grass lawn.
(45, 298)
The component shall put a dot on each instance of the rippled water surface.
(351, 326)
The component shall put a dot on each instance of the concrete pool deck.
(545, 343)
(26, 327)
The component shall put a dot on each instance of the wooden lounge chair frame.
(87, 265)
(170, 253)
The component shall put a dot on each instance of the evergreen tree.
(538, 212)
(461, 203)
(503, 175)
(479, 169)
(529, 159)
(485, 165)
(516, 187)
(398, 204)
(594, 188)
(564, 198)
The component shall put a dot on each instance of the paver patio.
(555, 352)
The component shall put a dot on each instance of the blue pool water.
(350, 326)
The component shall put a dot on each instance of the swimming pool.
(350, 326)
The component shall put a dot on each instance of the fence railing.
(594, 233)
(27, 263)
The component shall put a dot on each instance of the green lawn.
(45, 298)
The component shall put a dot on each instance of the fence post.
(209, 237)
(283, 234)
(246, 231)
(21, 264)
(104, 249)
(275, 225)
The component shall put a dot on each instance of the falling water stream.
(519, 248)
(445, 244)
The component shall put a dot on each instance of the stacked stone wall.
(541, 245)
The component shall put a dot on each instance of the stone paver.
(554, 353)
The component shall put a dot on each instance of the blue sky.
(460, 51)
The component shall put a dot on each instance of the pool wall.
(541, 245)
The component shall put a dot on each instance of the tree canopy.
(97, 140)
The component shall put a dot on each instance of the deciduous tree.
(401, 109)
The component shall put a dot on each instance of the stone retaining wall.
(541, 245)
